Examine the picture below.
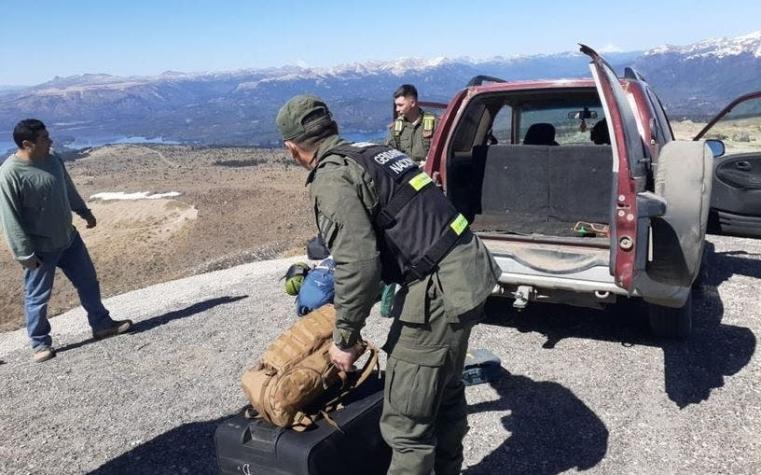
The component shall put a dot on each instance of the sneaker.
(117, 327)
(44, 353)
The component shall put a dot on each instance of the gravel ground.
(581, 390)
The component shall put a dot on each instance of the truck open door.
(734, 135)
(659, 234)
(628, 169)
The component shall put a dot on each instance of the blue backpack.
(317, 288)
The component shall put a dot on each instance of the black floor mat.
(518, 223)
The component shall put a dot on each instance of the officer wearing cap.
(383, 218)
(413, 128)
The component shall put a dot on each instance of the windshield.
(740, 129)
(573, 123)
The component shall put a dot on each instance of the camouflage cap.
(301, 116)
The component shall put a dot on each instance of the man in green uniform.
(37, 197)
(410, 133)
(383, 218)
(413, 128)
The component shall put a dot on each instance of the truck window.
(664, 128)
(571, 127)
(502, 126)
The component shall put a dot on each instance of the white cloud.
(611, 48)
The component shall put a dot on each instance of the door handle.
(743, 166)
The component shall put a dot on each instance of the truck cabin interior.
(533, 163)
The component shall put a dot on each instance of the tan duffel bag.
(296, 372)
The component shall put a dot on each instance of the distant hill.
(239, 107)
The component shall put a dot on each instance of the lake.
(87, 142)
(98, 141)
(376, 136)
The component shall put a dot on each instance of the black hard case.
(254, 446)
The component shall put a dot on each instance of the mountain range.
(238, 107)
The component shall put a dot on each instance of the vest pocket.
(416, 380)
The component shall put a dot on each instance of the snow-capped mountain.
(716, 47)
(701, 78)
(239, 106)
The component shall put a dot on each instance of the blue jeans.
(76, 264)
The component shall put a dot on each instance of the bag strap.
(371, 365)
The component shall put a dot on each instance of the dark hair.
(406, 90)
(27, 129)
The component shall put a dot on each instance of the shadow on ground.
(163, 319)
(188, 448)
(694, 367)
(552, 430)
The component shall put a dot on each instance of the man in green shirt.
(410, 133)
(37, 197)
(383, 218)
(413, 128)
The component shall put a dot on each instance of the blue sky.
(42, 39)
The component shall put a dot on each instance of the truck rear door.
(629, 169)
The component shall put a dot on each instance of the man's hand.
(31, 263)
(344, 359)
(91, 222)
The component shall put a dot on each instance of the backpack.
(316, 248)
(317, 288)
(294, 378)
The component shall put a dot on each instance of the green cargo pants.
(424, 416)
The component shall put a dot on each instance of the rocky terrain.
(581, 389)
(236, 205)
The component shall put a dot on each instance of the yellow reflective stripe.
(428, 121)
(459, 224)
(420, 181)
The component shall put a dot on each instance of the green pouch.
(412, 300)
(387, 300)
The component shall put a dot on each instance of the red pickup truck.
(583, 195)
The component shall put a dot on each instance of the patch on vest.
(394, 161)
(363, 144)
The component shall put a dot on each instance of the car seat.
(600, 134)
(540, 133)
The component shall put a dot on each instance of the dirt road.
(581, 389)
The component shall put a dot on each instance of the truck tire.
(669, 322)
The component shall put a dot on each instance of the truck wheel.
(669, 322)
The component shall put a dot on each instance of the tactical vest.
(415, 223)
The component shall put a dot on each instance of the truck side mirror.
(717, 147)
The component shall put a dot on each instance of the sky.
(46, 38)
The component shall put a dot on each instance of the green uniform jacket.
(413, 140)
(36, 200)
(344, 197)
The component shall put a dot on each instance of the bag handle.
(371, 365)
(302, 421)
